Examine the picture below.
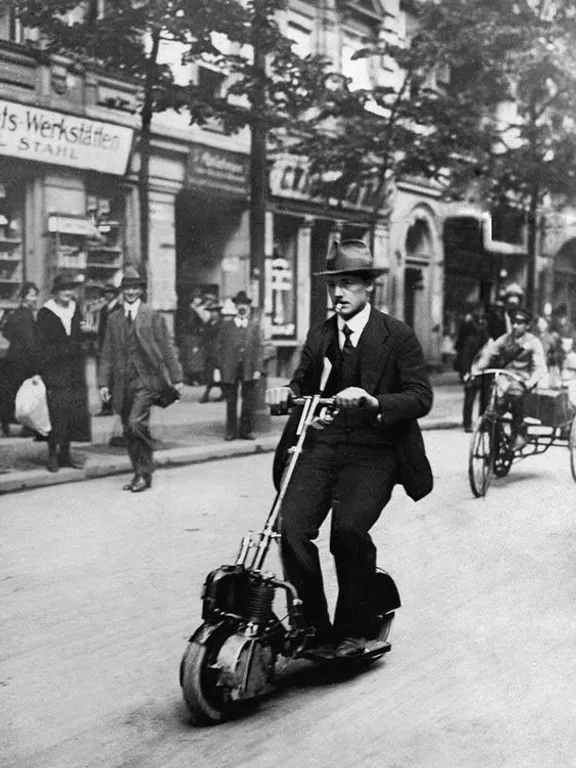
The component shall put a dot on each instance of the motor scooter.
(232, 656)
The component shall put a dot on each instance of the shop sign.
(71, 225)
(43, 135)
(218, 169)
(290, 178)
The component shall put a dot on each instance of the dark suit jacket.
(159, 362)
(394, 371)
(226, 354)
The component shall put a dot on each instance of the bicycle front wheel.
(481, 457)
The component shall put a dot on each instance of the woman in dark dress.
(20, 361)
(60, 333)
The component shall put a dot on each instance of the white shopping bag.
(32, 407)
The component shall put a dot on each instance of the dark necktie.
(348, 346)
(129, 317)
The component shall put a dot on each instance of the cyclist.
(522, 353)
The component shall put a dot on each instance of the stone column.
(303, 294)
(162, 265)
(381, 256)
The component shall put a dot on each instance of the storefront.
(62, 199)
(212, 229)
(303, 227)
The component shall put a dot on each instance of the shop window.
(281, 282)
(10, 27)
(11, 234)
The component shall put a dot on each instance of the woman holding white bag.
(61, 330)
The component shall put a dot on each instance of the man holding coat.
(381, 387)
(138, 362)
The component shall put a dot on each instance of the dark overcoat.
(159, 361)
(394, 371)
(253, 351)
(61, 363)
(20, 361)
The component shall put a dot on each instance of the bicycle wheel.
(503, 451)
(481, 456)
(572, 448)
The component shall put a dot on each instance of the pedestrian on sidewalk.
(380, 383)
(210, 334)
(20, 362)
(241, 359)
(112, 303)
(473, 342)
(61, 333)
(138, 362)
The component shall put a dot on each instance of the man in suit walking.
(381, 387)
(240, 355)
(138, 361)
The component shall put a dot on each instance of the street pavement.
(186, 433)
(101, 589)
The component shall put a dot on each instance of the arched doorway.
(419, 250)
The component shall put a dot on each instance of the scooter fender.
(387, 595)
(204, 632)
(246, 667)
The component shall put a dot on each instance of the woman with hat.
(523, 353)
(60, 334)
(380, 383)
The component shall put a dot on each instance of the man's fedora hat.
(133, 275)
(64, 280)
(520, 314)
(242, 298)
(350, 257)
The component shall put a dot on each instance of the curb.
(169, 457)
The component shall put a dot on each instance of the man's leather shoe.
(230, 436)
(65, 460)
(142, 484)
(128, 486)
(350, 647)
(520, 442)
(247, 436)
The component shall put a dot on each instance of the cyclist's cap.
(521, 314)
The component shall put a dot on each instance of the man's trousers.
(356, 482)
(135, 415)
(247, 408)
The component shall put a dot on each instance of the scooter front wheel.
(206, 698)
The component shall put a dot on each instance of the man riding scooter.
(381, 387)
(523, 353)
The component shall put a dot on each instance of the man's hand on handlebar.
(278, 400)
(356, 397)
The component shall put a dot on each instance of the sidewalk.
(186, 433)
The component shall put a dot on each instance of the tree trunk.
(145, 145)
(532, 242)
(258, 169)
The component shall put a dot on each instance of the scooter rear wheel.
(205, 697)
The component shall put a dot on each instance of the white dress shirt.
(131, 309)
(241, 322)
(356, 325)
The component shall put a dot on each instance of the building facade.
(68, 199)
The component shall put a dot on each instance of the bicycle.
(491, 448)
